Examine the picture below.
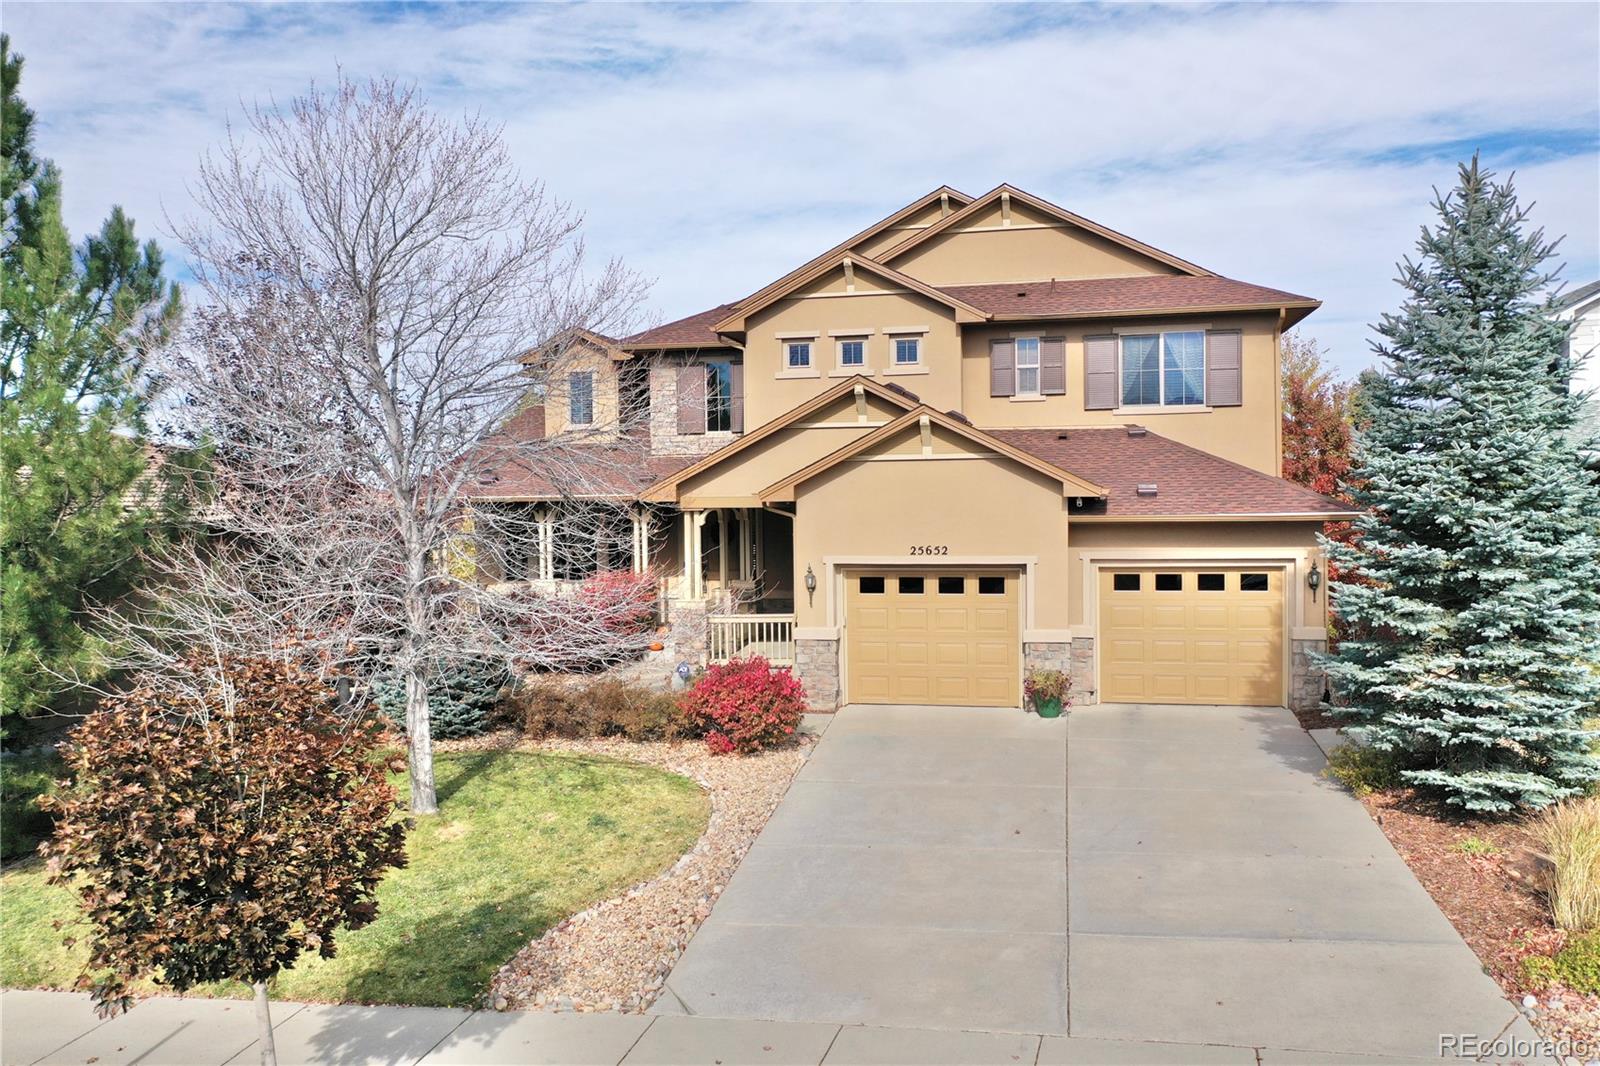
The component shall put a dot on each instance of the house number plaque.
(930, 549)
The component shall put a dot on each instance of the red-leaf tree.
(1316, 419)
(217, 824)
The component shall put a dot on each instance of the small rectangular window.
(853, 353)
(991, 586)
(798, 354)
(1125, 582)
(952, 586)
(719, 397)
(580, 395)
(907, 350)
(871, 586)
(1027, 366)
(911, 586)
(1212, 582)
(1253, 583)
(1169, 582)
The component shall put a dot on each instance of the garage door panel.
(1188, 645)
(949, 643)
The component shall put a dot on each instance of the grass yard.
(522, 840)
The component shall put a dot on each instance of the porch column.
(746, 545)
(722, 549)
(693, 553)
(547, 544)
(643, 555)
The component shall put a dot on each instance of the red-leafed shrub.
(621, 601)
(745, 705)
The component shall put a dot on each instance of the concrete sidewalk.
(60, 1027)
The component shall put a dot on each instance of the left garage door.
(938, 636)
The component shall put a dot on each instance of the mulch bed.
(1492, 899)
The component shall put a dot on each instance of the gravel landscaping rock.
(615, 955)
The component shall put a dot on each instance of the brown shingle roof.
(619, 470)
(1188, 481)
(692, 332)
(1095, 296)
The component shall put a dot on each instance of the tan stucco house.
(981, 435)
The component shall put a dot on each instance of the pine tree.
(75, 328)
(1472, 637)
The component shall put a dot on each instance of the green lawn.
(521, 841)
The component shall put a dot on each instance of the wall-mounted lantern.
(1314, 580)
(811, 586)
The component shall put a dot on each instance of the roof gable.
(1004, 197)
(851, 262)
(925, 416)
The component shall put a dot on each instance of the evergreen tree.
(77, 504)
(1471, 635)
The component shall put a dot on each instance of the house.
(1581, 307)
(982, 435)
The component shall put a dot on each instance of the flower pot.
(1047, 708)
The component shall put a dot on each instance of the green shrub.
(1569, 833)
(602, 708)
(463, 698)
(23, 779)
(1576, 966)
(1364, 770)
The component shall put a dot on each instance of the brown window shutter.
(736, 403)
(1224, 372)
(1053, 366)
(692, 398)
(1099, 373)
(1002, 368)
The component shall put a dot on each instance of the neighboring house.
(982, 435)
(1581, 307)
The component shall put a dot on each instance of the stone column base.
(1306, 679)
(1082, 672)
(816, 664)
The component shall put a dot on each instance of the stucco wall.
(558, 408)
(1249, 433)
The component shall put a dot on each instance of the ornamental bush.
(745, 705)
(462, 698)
(602, 708)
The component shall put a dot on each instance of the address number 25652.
(930, 549)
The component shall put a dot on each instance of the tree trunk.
(269, 1050)
(419, 732)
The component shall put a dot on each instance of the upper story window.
(907, 351)
(1027, 366)
(1159, 369)
(797, 355)
(853, 352)
(580, 398)
(719, 396)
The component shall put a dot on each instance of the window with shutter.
(1224, 368)
(692, 398)
(580, 398)
(1053, 366)
(1099, 373)
(1002, 368)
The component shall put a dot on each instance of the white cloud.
(715, 147)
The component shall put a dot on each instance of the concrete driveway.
(1177, 874)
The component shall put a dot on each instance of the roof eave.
(1152, 312)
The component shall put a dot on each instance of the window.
(719, 397)
(853, 352)
(1027, 366)
(907, 351)
(1125, 582)
(991, 586)
(871, 586)
(1211, 582)
(952, 586)
(1161, 369)
(1169, 582)
(911, 586)
(1253, 583)
(580, 398)
(797, 355)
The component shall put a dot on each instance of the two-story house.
(981, 435)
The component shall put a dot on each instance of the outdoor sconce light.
(811, 586)
(1314, 579)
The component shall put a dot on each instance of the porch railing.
(739, 636)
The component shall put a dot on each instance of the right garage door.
(1175, 634)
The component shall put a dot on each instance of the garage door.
(1191, 635)
(934, 636)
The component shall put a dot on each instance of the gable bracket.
(927, 434)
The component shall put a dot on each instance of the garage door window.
(1212, 582)
(1125, 582)
(952, 586)
(911, 586)
(1253, 583)
(991, 586)
(1169, 582)
(872, 586)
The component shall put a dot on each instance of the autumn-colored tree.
(218, 823)
(1316, 419)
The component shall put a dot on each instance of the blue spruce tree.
(1472, 598)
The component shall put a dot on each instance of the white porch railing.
(739, 636)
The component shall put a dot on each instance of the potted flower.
(1047, 691)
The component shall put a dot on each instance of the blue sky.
(712, 148)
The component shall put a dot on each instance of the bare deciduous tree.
(383, 293)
